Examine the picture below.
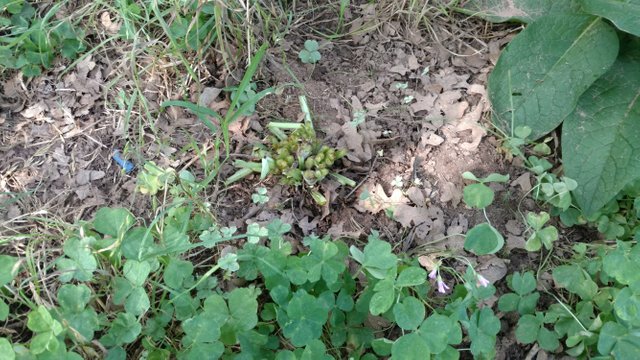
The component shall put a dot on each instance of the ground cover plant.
(318, 180)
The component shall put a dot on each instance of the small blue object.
(126, 165)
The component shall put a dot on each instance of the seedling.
(483, 238)
(539, 235)
(310, 53)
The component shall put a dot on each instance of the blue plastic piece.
(126, 165)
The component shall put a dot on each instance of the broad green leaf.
(136, 271)
(436, 331)
(483, 327)
(137, 302)
(574, 279)
(74, 298)
(477, 196)
(243, 308)
(323, 261)
(410, 347)
(382, 298)
(517, 10)
(508, 302)
(176, 272)
(306, 317)
(125, 329)
(617, 340)
(601, 138)
(527, 330)
(623, 263)
(544, 70)
(4, 310)
(137, 244)
(8, 269)
(623, 13)
(382, 346)
(627, 306)
(79, 263)
(483, 239)
(409, 313)
(523, 284)
(315, 350)
(6, 349)
(377, 257)
(113, 221)
(411, 276)
(201, 329)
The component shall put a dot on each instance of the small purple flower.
(482, 281)
(433, 273)
(442, 287)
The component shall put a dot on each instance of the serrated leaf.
(544, 70)
(601, 138)
(622, 13)
(483, 239)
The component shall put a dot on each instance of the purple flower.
(442, 287)
(433, 273)
(482, 281)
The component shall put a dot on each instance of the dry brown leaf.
(423, 102)
(416, 196)
(524, 181)
(429, 262)
(108, 24)
(450, 192)
(86, 176)
(378, 200)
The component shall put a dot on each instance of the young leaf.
(409, 313)
(483, 239)
(477, 196)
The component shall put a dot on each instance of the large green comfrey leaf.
(625, 14)
(517, 10)
(601, 138)
(544, 70)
